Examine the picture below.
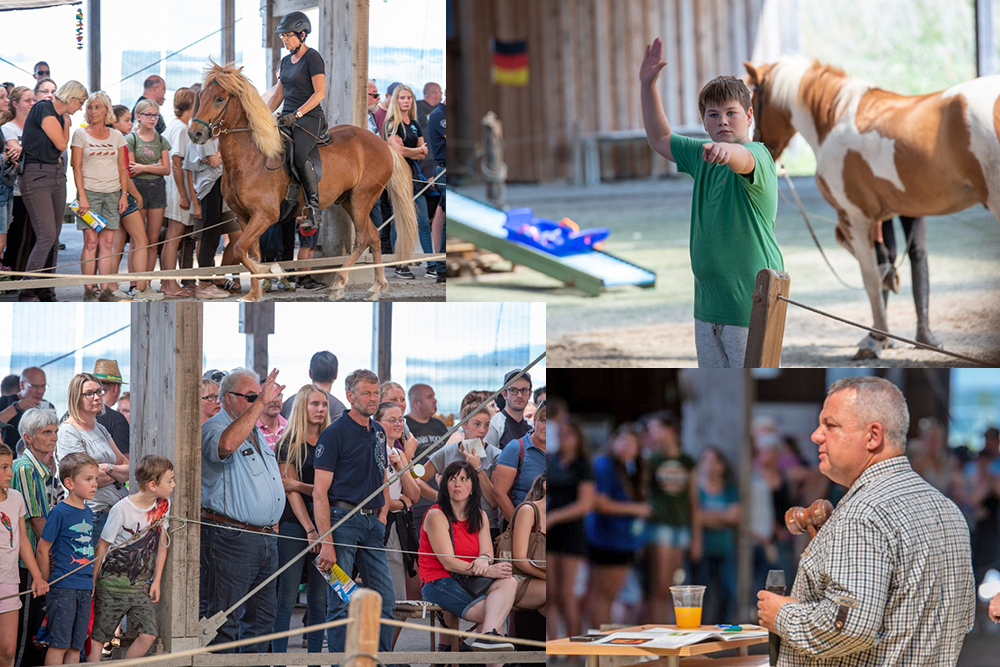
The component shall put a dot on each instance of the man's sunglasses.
(250, 397)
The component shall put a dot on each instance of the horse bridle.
(215, 126)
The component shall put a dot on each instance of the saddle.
(291, 203)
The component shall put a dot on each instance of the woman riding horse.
(302, 86)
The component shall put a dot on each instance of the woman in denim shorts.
(455, 540)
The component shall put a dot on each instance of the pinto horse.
(880, 154)
(357, 167)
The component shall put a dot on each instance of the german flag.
(510, 63)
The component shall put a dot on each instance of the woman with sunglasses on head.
(296, 453)
(301, 87)
(81, 433)
(402, 494)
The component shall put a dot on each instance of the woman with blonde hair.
(403, 133)
(82, 433)
(149, 164)
(296, 452)
(101, 174)
(43, 180)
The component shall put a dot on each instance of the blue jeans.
(288, 588)
(232, 564)
(423, 226)
(363, 530)
(441, 186)
(100, 518)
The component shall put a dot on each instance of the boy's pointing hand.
(716, 153)
(652, 63)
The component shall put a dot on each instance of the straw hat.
(106, 370)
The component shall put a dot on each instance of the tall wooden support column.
(270, 41)
(382, 340)
(257, 322)
(343, 43)
(93, 20)
(228, 31)
(166, 420)
(986, 45)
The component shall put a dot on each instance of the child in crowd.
(66, 537)
(122, 582)
(14, 543)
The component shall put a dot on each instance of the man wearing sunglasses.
(30, 396)
(240, 489)
(42, 71)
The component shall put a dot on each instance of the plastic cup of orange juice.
(687, 606)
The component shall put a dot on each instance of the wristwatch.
(111, 468)
(298, 114)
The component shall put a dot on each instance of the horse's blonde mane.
(265, 130)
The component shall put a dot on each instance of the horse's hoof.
(870, 348)
(336, 294)
(276, 270)
(250, 297)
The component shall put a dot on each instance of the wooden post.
(382, 340)
(494, 168)
(986, 50)
(362, 634)
(228, 31)
(257, 322)
(343, 43)
(270, 41)
(166, 420)
(767, 320)
(93, 20)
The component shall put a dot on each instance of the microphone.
(775, 584)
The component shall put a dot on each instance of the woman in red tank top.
(455, 540)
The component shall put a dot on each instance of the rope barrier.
(353, 546)
(162, 657)
(924, 346)
(45, 280)
(460, 633)
(213, 624)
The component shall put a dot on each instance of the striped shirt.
(31, 478)
(886, 582)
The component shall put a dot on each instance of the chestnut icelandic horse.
(357, 167)
(880, 154)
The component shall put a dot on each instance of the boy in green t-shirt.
(732, 210)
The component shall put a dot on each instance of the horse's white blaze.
(980, 98)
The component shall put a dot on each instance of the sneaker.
(47, 295)
(440, 278)
(307, 283)
(107, 296)
(404, 273)
(282, 285)
(269, 284)
(132, 291)
(495, 643)
(89, 295)
(431, 270)
(123, 296)
(148, 294)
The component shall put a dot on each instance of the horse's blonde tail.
(401, 197)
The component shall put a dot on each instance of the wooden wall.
(584, 58)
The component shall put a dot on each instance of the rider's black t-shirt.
(409, 132)
(296, 80)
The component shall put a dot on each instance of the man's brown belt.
(222, 518)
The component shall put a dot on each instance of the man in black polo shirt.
(351, 462)
(510, 424)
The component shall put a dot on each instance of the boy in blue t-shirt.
(68, 536)
(733, 207)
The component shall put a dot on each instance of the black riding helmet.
(294, 22)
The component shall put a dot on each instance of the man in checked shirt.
(888, 579)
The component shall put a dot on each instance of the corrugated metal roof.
(9, 5)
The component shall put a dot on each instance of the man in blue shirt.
(240, 488)
(520, 462)
(355, 447)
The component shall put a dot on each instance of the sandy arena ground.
(649, 222)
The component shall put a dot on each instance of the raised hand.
(270, 390)
(652, 63)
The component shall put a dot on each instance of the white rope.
(358, 546)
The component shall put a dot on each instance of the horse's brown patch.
(818, 91)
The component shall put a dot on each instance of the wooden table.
(671, 656)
